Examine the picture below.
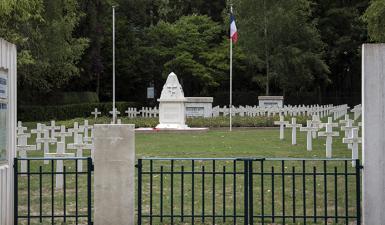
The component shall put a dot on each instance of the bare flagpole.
(113, 66)
(231, 74)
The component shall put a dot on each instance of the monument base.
(168, 130)
(172, 126)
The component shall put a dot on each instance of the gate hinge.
(360, 167)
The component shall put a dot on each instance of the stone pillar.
(373, 91)
(114, 176)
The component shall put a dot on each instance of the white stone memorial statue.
(172, 105)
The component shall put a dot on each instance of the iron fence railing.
(40, 200)
(248, 191)
(199, 191)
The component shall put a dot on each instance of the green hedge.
(65, 112)
(214, 122)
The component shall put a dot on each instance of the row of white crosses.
(131, 112)
(50, 137)
(293, 111)
(320, 111)
(313, 126)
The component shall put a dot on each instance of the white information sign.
(3, 85)
(150, 92)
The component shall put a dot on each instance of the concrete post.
(373, 91)
(114, 175)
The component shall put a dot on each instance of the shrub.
(65, 112)
(214, 122)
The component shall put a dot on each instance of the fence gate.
(53, 191)
(248, 191)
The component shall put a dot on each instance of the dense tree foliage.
(293, 47)
(48, 51)
(282, 40)
(375, 17)
(343, 32)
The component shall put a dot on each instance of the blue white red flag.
(233, 29)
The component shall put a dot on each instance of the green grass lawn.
(216, 143)
(238, 143)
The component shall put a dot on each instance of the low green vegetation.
(218, 143)
(214, 122)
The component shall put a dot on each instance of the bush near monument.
(65, 112)
(214, 122)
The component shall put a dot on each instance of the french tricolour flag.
(233, 29)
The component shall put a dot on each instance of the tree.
(19, 24)
(47, 51)
(343, 32)
(375, 18)
(284, 44)
(194, 48)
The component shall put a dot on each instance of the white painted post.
(8, 123)
(373, 104)
(114, 168)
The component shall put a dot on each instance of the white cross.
(281, 124)
(22, 147)
(53, 128)
(60, 153)
(354, 140)
(20, 128)
(329, 134)
(114, 114)
(357, 112)
(309, 139)
(131, 112)
(293, 126)
(90, 138)
(79, 146)
(86, 127)
(344, 121)
(38, 131)
(63, 134)
(96, 113)
(76, 130)
(348, 130)
(46, 140)
(330, 121)
(316, 123)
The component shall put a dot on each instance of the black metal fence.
(248, 191)
(39, 200)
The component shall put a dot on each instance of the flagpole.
(231, 76)
(113, 66)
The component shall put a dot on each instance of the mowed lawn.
(247, 142)
(216, 143)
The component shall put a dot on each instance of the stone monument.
(172, 105)
(199, 106)
(270, 101)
